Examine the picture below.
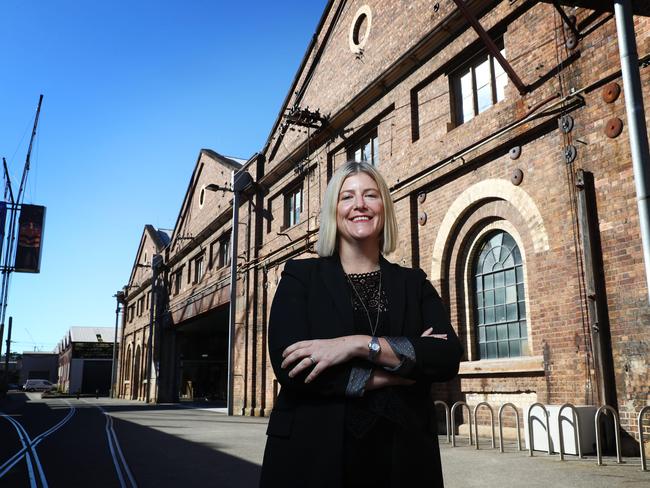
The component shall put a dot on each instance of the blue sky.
(132, 91)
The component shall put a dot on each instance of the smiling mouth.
(361, 218)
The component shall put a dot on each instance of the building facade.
(508, 157)
(85, 358)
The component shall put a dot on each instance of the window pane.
(513, 330)
(502, 332)
(489, 315)
(482, 72)
(489, 282)
(511, 294)
(479, 283)
(501, 78)
(484, 98)
(491, 333)
(524, 347)
(468, 108)
(479, 300)
(522, 310)
(467, 96)
(489, 298)
(466, 84)
(481, 316)
(483, 353)
(520, 291)
(500, 296)
(523, 329)
(491, 350)
(499, 279)
(511, 311)
(366, 152)
(510, 277)
(515, 350)
(503, 349)
(500, 312)
(500, 84)
(481, 334)
(375, 151)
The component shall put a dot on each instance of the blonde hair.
(327, 234)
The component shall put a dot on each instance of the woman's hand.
(321, 354)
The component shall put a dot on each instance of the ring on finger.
(313, 361)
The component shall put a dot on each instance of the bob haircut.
(327, 234)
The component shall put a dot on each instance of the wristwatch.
(374, 348)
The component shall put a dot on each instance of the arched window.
(500, 306)
(127, 365)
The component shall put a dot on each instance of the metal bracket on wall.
(566, 124)
(570, 153)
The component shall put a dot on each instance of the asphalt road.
(119, 443)
(113, 443)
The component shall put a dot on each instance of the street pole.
(119, 299)
(233, 292)
(8, 351)
(156, 262)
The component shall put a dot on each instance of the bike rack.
(453, 422)
(639, 419)
(576, 430)
(447, 422)
(530, 428)
(500, 415)
(486, 404)
(607, 408)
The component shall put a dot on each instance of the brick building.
(513, 184)
(190, 304)
(136, 319)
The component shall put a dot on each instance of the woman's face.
(360, 209)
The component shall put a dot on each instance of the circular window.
(201, 197)
(360, 29)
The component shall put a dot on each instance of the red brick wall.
(542, 220)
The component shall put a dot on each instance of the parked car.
(38, 385)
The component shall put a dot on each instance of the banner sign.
(30, 239)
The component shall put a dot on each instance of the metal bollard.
(576, 430)
(486, 404)
(530, 428)
(453, 422)
(617, 433)
(500, 415)
(640, 425)
(447, 421)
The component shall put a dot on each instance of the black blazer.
(306, 427)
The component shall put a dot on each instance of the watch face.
(374, 346)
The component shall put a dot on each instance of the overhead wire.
(570, 174)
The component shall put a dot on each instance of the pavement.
(463, 466)
(185, 445)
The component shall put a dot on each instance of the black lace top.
(363, 408)
(367, 302)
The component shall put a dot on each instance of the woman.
(356, 342)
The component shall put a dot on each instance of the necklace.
(372, 329)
